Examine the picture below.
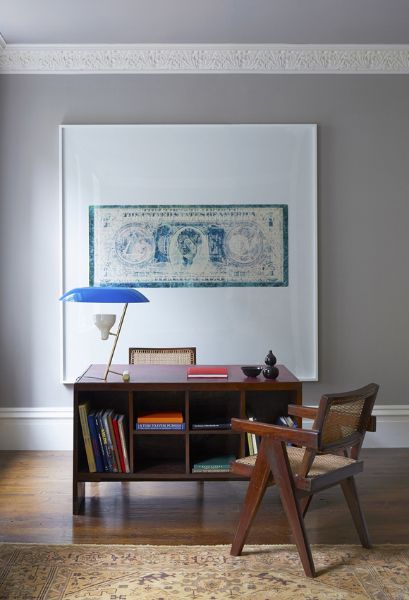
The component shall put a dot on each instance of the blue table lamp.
(104, 322)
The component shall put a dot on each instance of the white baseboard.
(36, 428)
(51, 428)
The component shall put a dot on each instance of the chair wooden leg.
(305, 502)
(277, 456)
(351, 496)
(254, 495)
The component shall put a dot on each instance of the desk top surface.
(177, 375)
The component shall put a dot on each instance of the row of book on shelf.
(253, 440)
(221, 464)
(104, 440)
(174, 420)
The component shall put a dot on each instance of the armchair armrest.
(308, 438)
(308, 412)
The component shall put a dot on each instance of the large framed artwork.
(216, 224)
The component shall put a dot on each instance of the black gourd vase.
(270, 371)
(270, 359)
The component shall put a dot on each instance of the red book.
(118, 442)
(208, 372)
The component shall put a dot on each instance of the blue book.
(286, 421)
(160, 426)
(110, 444)
(102, 440)
(95, 442)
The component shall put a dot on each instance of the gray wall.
(363, 170)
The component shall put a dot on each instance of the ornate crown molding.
(204, 58)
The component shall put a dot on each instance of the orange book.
(161, 417)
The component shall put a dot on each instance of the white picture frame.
(193, 165)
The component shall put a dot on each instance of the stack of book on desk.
(216, 464)
(207, 372)
(160, 421)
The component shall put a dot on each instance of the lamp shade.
(103, 294)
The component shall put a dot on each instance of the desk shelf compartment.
(207, 446)
(160, 454)
(212, 407)
(266, 407)
(145, 402)
(118, 401)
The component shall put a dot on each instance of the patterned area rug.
(88, 572)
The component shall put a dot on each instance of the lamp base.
(125, 375)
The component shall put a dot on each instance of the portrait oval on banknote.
(188, 247)
(244, 244)
(134, 244)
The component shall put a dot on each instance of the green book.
(224, 470)
(216, 462)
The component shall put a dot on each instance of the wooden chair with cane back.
(318, 458)
(162, 356)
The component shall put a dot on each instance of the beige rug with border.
(100, 572)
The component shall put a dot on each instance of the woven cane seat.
(323, 463)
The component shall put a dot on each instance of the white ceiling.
(205, 21)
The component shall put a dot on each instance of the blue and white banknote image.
(188, 245)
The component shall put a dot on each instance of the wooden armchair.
(162, 356)
(319, 458)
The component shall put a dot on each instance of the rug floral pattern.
(88, 572)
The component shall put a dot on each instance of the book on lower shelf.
(286, 421)
(173, 416)
(83, 410)
(160, 426)
(122, 428)
(107, 439)
(252, 439)
(211, 372)
(216, 423)
(250, 443)
(215, 464)
(110, 441)
(160, 421)
(96, 447)
(118, 442)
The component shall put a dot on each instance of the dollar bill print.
(188, 246)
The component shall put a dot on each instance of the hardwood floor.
(35, 506)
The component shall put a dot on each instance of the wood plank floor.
(35, 506)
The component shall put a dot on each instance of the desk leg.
(78, 496)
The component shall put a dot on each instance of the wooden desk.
(169, 455)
